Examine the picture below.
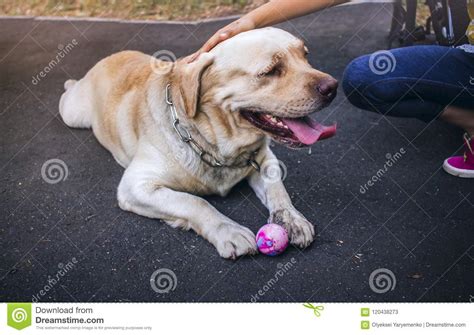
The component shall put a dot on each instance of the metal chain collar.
(186, 137)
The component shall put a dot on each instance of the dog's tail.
(74, 105)
(69, 83)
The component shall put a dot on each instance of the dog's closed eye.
(275, 71)
(275, 68)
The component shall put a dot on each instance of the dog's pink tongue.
(308, 131)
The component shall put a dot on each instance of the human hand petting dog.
(273, 12)
(243, 24)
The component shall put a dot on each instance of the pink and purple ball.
(272, 239)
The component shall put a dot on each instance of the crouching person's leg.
(423, 82)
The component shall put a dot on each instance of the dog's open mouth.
(293, 132)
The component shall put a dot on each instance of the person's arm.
(273, 12)
(277, 11)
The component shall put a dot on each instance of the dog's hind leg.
(75, 105)
(140, 193)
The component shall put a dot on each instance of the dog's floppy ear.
(188, 81)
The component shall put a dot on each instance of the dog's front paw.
(300, 231)
(233, 240)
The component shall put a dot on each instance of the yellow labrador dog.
(183, 130)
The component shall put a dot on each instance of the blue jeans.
(417, 81)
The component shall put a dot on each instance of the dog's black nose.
(327, 87)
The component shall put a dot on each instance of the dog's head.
(263, 82)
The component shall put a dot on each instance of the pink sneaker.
(462, 166)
